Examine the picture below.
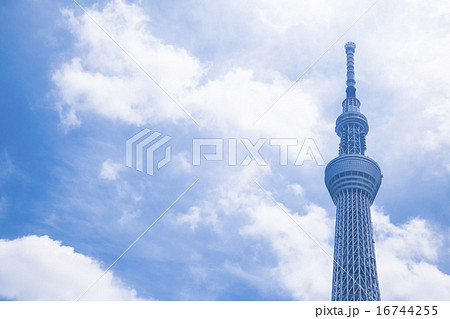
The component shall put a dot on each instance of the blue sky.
(71, 98)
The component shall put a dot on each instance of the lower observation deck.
(353, 172)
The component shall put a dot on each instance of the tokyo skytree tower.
(353, 180)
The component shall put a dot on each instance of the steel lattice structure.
(353, 180)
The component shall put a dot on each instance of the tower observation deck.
(353, 180)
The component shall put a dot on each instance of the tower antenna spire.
(350, 51)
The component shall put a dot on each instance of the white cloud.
(258, 218)
(110, 169)
(192, 217)
(296, 189)
(303, 268)
(129, 216)
(182, 161)
(107, 82)
(405, 257)
(40, 268)
(204, 214)
(103, 80)
(406, 254)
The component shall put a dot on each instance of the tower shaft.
(353, 180)
(354, 271)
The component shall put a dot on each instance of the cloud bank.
(405, 253)
(40, 268)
